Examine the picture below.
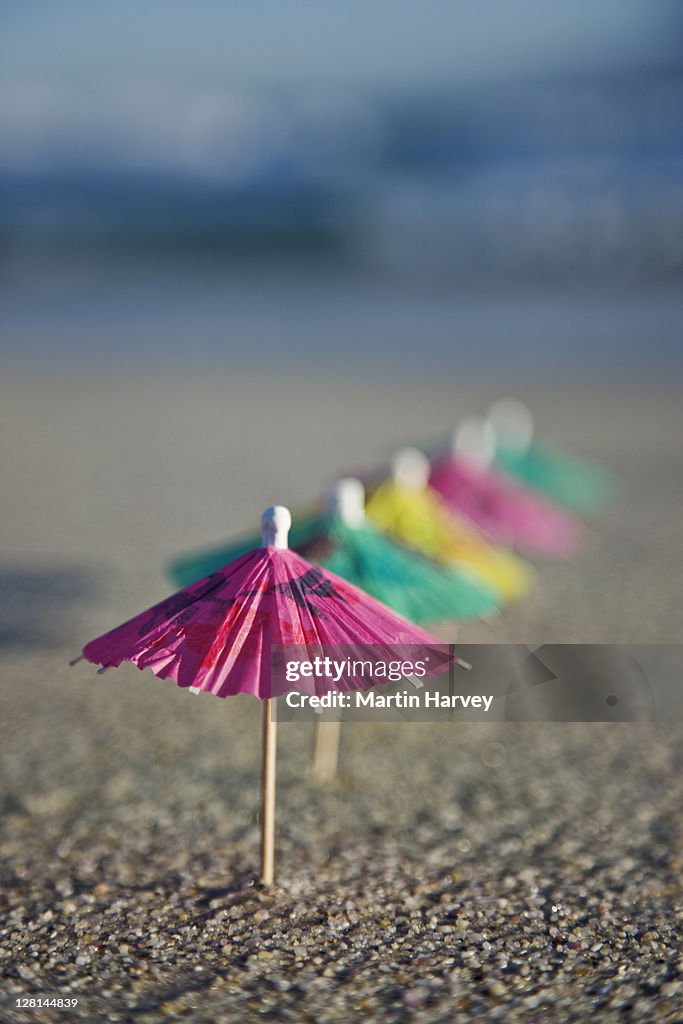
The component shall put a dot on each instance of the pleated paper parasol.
(506, 512)
(577, 484)
(350, 546)
(217, 635)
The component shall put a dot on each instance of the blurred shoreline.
(531, 227)
(301, 322)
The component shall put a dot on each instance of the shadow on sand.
(37, 604)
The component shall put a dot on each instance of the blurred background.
(248, 246)
(493, 187)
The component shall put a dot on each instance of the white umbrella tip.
(475, 441)
(513, 422)
(275, 524)
(346, 499)
(410, 468)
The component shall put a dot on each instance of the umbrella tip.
(275, 524)
(410, 467)
(475, 442)
(513, 422)
(346, 499)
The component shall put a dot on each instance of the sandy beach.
(469, 872)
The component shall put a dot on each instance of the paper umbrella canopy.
(343, 542)
(577, 484)
(216, 635)
(507, 512)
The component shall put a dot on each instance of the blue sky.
(289, 43)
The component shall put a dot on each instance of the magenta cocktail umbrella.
(217, 636)
(507, 512)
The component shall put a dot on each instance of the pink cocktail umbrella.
(216, 636)
(505, 511)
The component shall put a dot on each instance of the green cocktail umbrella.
(577, 484)
(401, 578)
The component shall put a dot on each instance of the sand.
(468, 872)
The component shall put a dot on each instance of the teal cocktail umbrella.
(577, 484)
(348, 545)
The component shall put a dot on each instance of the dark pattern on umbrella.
(177, 604)
(310, 584)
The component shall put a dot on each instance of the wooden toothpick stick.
(268, 795)
(326, 753)
(275, 524)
